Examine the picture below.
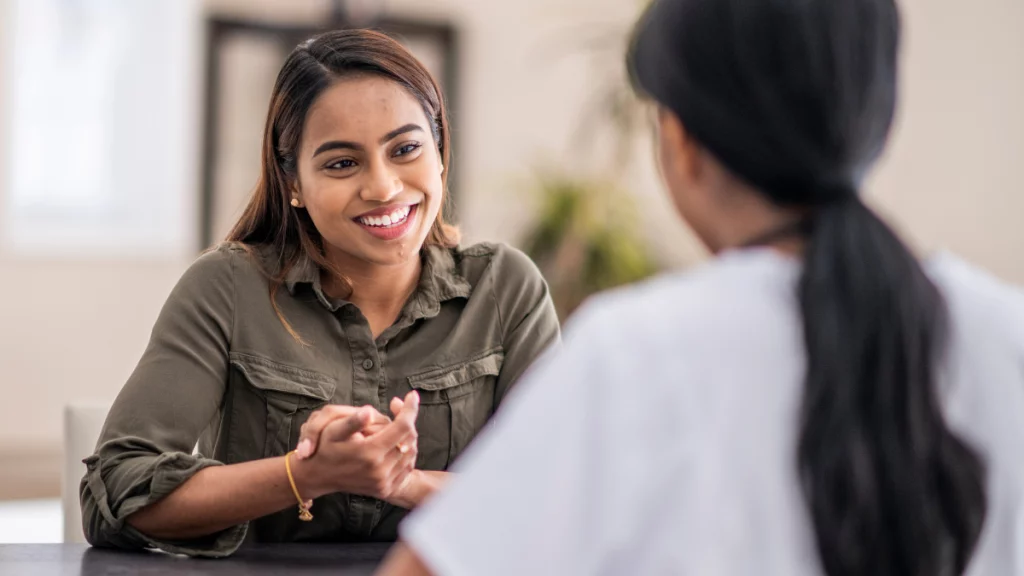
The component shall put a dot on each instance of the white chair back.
(82, 425)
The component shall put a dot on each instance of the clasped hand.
(361, 451)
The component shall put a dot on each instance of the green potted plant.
(584, 239)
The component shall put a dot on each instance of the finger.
(404, 424)
(397, 454)
(309, 435)
(397, 464)
(396, 405)
(341, 430)
(373, 428)
(411, 405)
(401, 472)
(406, 463)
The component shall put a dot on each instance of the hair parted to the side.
(269, 221)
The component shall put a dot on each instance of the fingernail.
(304, 448)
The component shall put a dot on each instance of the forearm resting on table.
(219, 497)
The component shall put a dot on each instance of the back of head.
(796, 97)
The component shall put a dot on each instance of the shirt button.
(367, 364)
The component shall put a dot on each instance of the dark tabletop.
(80, 559)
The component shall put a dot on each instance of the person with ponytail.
(815, 400)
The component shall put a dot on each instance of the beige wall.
(953, 176)
(73, 330)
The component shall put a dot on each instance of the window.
(102, 119)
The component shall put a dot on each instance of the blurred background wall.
(76, 315)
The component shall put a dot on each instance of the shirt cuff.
(110, 494)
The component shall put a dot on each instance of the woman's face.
(369, 171)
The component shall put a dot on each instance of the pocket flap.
(267, 374)
(486, 364)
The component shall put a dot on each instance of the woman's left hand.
(419, 484)
(414, 488)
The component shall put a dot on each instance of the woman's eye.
(341, 164)
(406, 149)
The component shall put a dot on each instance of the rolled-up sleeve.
(145, 450)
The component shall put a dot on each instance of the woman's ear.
(296, 196)
(679, 154)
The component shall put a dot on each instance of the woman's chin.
(391, 253)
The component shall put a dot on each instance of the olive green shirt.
(222, 371)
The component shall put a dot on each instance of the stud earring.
(295, 202)
(442, 168)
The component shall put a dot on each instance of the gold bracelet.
(304, 507)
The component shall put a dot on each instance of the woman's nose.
(381, 185)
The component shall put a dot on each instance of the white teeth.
(393, 219)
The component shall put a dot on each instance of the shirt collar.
(305, 271)
(439, 282)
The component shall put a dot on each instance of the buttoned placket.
(369, 382)
(369, 387)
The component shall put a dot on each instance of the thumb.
(343, 429)
(411, 404)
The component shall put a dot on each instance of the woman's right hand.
(351, 459)
(309, 433)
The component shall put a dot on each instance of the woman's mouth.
(389, 225)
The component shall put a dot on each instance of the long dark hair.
(797, 97)
(269, 221)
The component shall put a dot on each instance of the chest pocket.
(455, 403)
(288, 395)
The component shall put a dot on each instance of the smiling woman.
(340, 350)
(374, 181)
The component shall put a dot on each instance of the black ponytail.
(891, 490)
(797, 98)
